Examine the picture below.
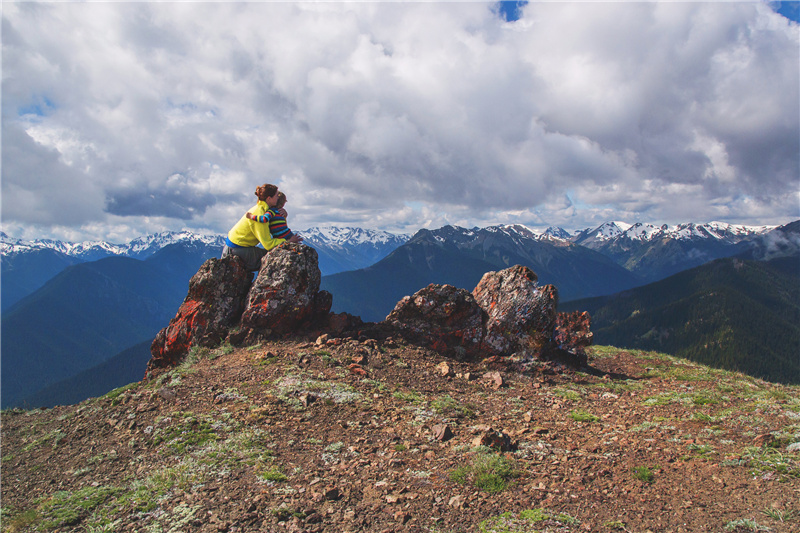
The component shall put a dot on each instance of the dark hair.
(263, 191)
(281, 200)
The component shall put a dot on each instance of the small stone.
(444, 369)
(313, 518)
(456, 501)
(167, 394)
(528, 417)
(402, 517)
(495, 439)
(494, 379)
(442, 432)
(356, 369)
(322, 339)
(307, 399)
(764, 439)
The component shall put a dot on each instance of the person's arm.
(262, 219)
(264, 236)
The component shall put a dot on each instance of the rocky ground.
(383, 436)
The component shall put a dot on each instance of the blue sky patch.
(40, 106)
(790, 10)
(510, 10)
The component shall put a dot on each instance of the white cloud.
(141, 117)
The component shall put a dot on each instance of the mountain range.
(610, 258)
(68, 308)
(460, 256)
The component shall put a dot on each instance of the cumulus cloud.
(138, 117)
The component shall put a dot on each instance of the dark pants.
(251, 256)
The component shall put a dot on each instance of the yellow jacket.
(249, 233)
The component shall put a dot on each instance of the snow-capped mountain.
(28, 265)
(86, 251)
(139, 248)
(346, 248)
(655, 252)
(351, 236)
(642, 232)
(553, 233)
(146, 246)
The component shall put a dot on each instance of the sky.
(121, 119)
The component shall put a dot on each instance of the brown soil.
(291, 436)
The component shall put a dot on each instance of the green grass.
(745, 523)
(186, 433)
(527, 521)
(779, 515)
(569, 394)
(407, 396)
(273, 474)
(447, 406)
(583, 416)
(487, 472)
(701, 449)
(644, 474)
(765, 460)
(64, 508)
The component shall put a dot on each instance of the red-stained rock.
(213, 304)
(572, 332)
(521, 314)
(443, 317)
(286, 295)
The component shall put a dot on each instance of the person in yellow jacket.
(243, 239)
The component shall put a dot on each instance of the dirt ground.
(385, 436)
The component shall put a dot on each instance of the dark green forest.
(731, 313)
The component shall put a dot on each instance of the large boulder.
(573, 333)
(212, 306)
(521, 314)
(286, 296)
(443, 317)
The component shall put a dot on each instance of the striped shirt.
(277, 224)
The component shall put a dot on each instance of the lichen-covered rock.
(573, 333)
(286, 295)
(212, 306)
(443, 317)
(521, 314)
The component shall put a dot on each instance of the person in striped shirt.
(275, 217)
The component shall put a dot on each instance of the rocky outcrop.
(442, 316)
(521, 314)
(286, 295)
(213, 305)
(507, 313)
(222, 303)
